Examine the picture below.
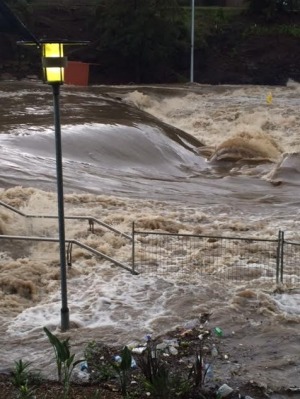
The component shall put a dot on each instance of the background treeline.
(145, 41)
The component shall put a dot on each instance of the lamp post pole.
(60, 201)
(192, 40)
(54, 63)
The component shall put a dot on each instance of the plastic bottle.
(209, 374)
(219, 331)
(214, 351)
(83, 366)
(173, 350)
(83, 374)
(118, 359)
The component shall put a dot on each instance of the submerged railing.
(69, 249)
(230, 258)
(91, 220)
(160, 254)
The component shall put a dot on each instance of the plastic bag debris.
(224, 391)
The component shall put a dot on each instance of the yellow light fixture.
(53, 62)
(53, 59)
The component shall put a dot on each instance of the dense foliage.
(148, 37)
(146, 41)
(270, 8)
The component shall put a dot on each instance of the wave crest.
(287, 170)
(247, 146)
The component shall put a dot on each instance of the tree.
(140, 35)
(265, 8)
(270, 8)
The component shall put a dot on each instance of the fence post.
(69, 253)
(133, 249)
(281, 259)
(278, 257)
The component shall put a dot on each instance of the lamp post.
(53, 62)
(53, 66)
(192, 40)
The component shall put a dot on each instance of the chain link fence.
(230, 258)
(289, 271)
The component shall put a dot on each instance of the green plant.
(269, 8)
(158, 379)
(165, 385)
(149, 361)
(25, 392)
(122, 366)
(291, 30)
(200, 369)
(20, 379)
(160, 385)
(99, 359)
(20, 373)
(64, 360)
(96, 395)
(197, 371)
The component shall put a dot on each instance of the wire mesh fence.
(161, 254)
(230, 258)
(290, 265)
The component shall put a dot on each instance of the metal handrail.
(80, 244)
(98, 253)
(90, 219)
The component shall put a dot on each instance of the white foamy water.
(125, 162)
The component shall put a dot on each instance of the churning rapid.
(213, 160)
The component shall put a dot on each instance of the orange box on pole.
(77, 73)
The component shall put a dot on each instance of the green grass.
(210, 21)
(274, 30)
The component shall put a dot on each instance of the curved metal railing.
(91, 220)
(69, 249)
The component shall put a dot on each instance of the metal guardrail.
(69, 249)
(91, 220)
(159, 253)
